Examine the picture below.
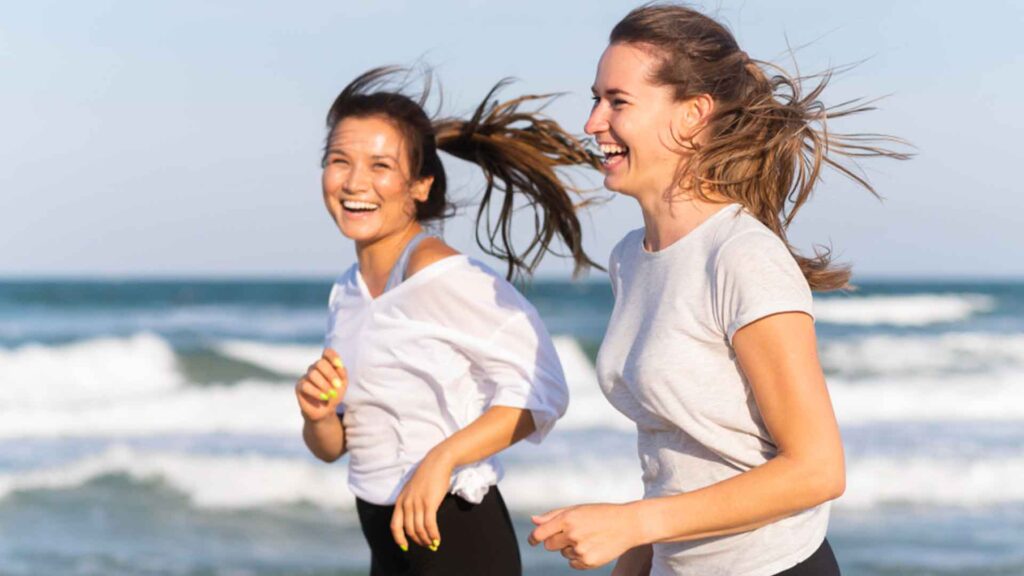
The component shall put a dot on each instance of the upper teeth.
(612, 149)
(353, 205)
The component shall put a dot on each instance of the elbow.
(820, 480)
(329, 457)
(834, 487)
(829, 482)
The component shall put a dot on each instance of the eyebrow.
(611, 91)
(337, 150)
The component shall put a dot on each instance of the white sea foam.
(950, 482)
(248, 407)
(83, 373)
(292, 359)
(989, 396)
(241, 481)
(909, 310)
(254, 481)
(917, 355)
(131, 387)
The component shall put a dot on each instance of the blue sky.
(169, 138)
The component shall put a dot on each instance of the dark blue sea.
(149, 427)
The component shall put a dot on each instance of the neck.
(667, 219)
(377, 258)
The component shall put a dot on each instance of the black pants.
(475, 539)
(821, 563)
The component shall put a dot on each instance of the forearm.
(325, 438)
(496, 429)
(775, 490)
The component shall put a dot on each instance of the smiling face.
(367, 186)
(636, 123)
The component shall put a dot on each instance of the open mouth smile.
(613, 154)
(359, 207)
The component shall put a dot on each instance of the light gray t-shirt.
(667, 363)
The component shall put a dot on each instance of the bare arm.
(415, 513)
(778, 355)
(325, 438)
(496, 429)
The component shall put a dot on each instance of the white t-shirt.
(427, 358)
(667, 363)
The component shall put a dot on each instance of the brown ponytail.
(518, 152)
(768, 140)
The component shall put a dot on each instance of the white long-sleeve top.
(427, 358)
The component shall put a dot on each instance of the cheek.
(330, 181)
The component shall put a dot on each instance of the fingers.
(420, 525)
(542, 518)
(579, 565)
(409, 524)
(398, 529)
(415, 521)
(340, 377)
(332, 377)
(552, 526)
(559, 541)
(433, 532)
(324, 391)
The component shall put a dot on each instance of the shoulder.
(744, 238)
(431, 250)
(629, 244)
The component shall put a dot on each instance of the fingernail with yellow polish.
(336, 382)
(434, 545)
(333, 393)
(337, 362)
(404, 547)
(323, 396)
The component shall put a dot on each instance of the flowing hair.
(519, 152)
(768, 140)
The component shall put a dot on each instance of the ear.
(421, 188)
(694, 113)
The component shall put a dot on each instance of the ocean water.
(150, 428)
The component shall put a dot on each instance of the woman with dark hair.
(433, 363)
(711, 346)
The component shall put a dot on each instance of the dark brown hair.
(767, 140)
(518, 152)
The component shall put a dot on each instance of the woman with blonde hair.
(711, 346)
(433, 363)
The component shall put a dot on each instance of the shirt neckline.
(731, 208)
(420, 276)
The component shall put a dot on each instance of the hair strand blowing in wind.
(767, 141)
(518, 151)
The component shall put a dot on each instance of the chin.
(617, 185)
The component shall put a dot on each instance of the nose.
(598, 120)
(358, 180)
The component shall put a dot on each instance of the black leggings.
(475, 539)
(821, 563)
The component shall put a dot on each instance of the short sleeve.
(756, 276)
(522, 365)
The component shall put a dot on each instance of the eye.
(381, 166)
(338, 161)
(618, 103)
